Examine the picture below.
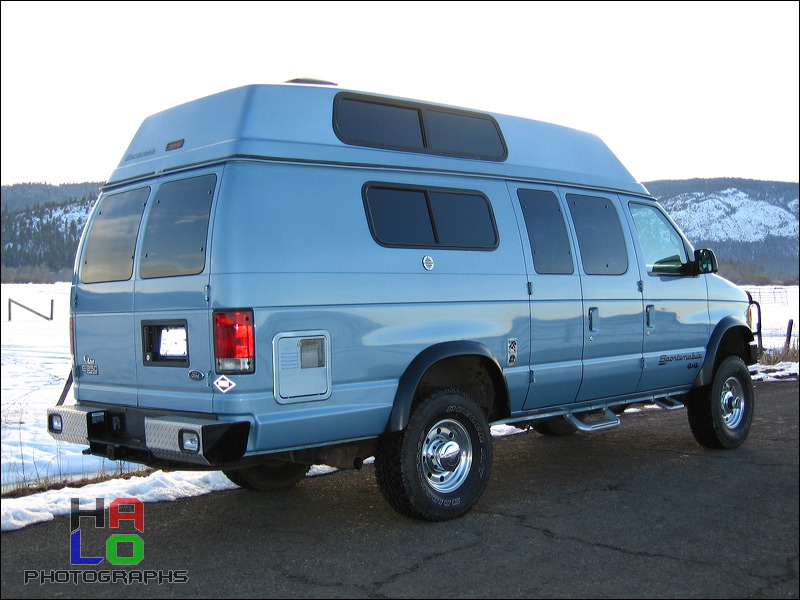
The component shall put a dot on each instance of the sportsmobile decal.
(665, 359)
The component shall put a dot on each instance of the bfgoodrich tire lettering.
(438, 467)
(720, 414)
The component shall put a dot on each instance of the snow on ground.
(36, 362)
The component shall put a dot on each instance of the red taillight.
(234, 341)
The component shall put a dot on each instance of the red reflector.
(174, 145)
(234, 341)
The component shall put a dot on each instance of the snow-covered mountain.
(750, 225)
(732, 216)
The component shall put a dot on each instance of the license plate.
(165, 343)
(173, 343)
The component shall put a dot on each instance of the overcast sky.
(676, 90)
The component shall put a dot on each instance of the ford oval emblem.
(196, 375)
(427, 262)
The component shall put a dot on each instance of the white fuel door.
(302, 366)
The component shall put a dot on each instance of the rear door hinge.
(207, 292)
(640, 285)
(530, 288)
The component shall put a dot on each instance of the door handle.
(649, 314)
(592, 316)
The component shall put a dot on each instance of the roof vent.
(311, 81)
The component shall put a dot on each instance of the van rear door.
(172, 326)
(102, 299)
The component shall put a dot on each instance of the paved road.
(637, 512)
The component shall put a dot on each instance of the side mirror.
(705, 261)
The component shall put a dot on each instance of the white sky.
(676, 89)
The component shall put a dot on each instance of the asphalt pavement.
(640, 511)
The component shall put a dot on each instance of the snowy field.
(36, 362)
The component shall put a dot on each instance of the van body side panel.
(295, 245)
(725, 299)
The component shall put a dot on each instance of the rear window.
(177, 227)
(365, 121)
(111, 241)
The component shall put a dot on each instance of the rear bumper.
(150, 438)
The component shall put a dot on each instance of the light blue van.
(285, 275)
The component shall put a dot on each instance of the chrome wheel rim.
(446, 456)
(733, 403)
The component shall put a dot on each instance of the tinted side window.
(462, 220)
(400, 217)
(419, 217)
(663, 248)
(453, 133)
(547, 232)
(414, 127)
(177, 227)
(600, 236)
(379, 124)
(111, 241)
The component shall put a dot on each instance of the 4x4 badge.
(223, 384)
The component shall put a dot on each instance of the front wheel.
(438, 467)
(720, 414)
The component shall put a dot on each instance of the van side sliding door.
(612, 301)
(555, 297)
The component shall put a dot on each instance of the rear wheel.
(268, 476)
(438, 467)
(720, 414)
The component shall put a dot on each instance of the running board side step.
(607, 421)
(669, 403)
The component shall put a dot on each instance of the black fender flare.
(725, 326)
(410, 380)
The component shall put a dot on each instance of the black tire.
(268, 476)
(437, 468)
(558, 427)
(720, 414)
